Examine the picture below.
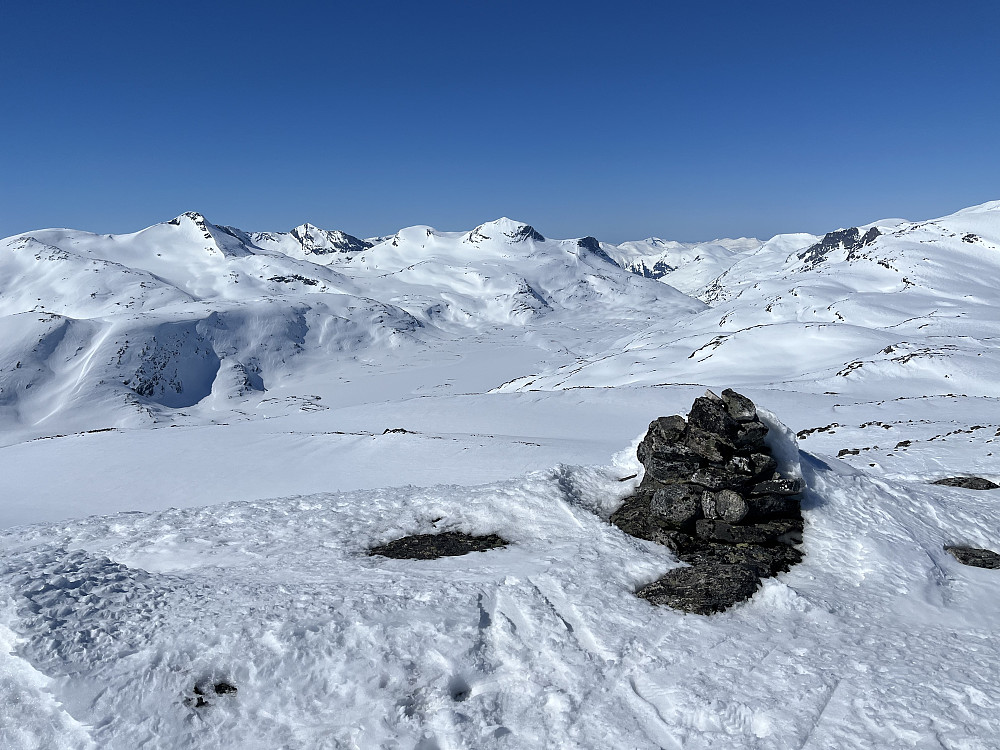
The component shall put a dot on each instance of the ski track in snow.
(205, 430)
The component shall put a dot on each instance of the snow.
(195, 458)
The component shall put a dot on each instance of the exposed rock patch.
(968, 483)
(713, 494)
(850, 240)
(974, 556)
(431, 546)
(198, 700)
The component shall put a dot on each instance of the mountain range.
(204, 431)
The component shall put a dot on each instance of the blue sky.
(615, 119)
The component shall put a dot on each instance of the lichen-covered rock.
(663, 432)
(765, 560)
(703, 589)
(725, 505)
(708, 413)
(676, 506)
(750, 437)
(706, 445)
(739, 407)
(671, 467)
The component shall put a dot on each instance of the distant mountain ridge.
(187, 312)
(190, 315)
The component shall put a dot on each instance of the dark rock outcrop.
(712, 493)
(848, 239)
(968, 483)
(431, 546)
(975, 556)
(594, 246)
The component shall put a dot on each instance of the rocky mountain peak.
(843, 239)
(504, 230)
(324, 241)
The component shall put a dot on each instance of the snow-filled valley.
(204, 430)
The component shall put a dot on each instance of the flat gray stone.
(780, 531)
(430, 546)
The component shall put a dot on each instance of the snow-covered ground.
(204, 429)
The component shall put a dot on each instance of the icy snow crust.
(204, 430)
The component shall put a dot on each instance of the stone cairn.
(712, 493)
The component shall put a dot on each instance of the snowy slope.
(187, 313)
(204, 429)
(688, 266)
(912, 304)
(878, 639)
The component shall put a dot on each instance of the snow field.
(878, 639)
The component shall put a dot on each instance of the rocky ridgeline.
(713, 494)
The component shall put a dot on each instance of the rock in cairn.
(712, 493)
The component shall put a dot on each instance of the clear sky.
(618, 119)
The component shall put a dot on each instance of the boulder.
(707, 445)
(726, 505)
(708, 413)
(676, 506)
(665, 431)
(738, 406)
(671, 466)
(750, 437)
(765, 560)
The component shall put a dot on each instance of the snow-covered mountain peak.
(987, 207)
(504, 230)
(193, 226)
(196, 216)
(593, 245)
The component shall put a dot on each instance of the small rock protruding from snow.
(968, 483)
(201, 690)
(975, 556)
(712, 493)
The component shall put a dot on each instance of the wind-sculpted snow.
(877, 639)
